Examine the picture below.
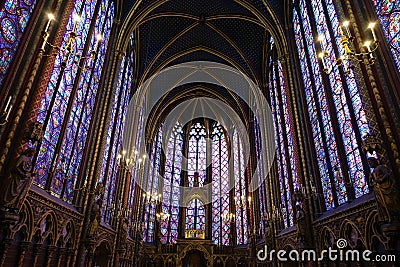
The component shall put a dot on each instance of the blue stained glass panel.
(388, 12)
(74, 139)
(14, 16)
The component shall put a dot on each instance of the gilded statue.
(386, 190)
(20, 181)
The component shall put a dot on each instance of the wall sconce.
(349, 54)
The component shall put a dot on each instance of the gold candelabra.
(228, 216)
(133, 162)
(242, 202)
(69, 47)
(348, 52)
(160, 216)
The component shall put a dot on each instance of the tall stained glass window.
(115, 129)
(239, 171)
(67, 107)
(14, 17)
(197, 164)
(191, 142)
(152, 188)
(262, 198)
(286, 160)
(171, 190)
(388, 12)
(335, 108)
(220, 186)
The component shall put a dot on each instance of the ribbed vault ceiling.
(232, 32)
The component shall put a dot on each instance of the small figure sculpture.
(99, 190)
(20, 181)
(35, 132)
(268, 233)
(95, 217)
(386, 190)
(301, 224)
(123, 233)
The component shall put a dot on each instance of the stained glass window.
(14, 16)
(220, 187)
(197, 157)
(388, 12)
(67, 107)
(113, 146)
(262, 189)
(345, 126)
(171, 193)
(287, 169)
(152, 188)
(239, 169)
(195, 215)
(197, 154)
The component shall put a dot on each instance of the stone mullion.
(249, 171)
(269, 188)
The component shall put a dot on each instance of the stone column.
(23, 247)
(50, 253)
(36, 251)
(4, 246)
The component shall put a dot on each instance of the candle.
(8, 112)
(99, 37)
(8, 103)
(371, 26)
(77, 19)
(51, 18)
(346, 27)
(322, 57)
(367, 44)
